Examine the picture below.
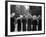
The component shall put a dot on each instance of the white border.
(31, 32)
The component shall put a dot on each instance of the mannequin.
(24, 23)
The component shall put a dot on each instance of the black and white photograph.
(25, 18)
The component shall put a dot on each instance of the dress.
(12, 24)
(34, 23)
(24, 24)
(29, 24)
(40, 25)
(19, 25)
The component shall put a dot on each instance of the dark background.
(33, 10)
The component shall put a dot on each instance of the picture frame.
(7, 18)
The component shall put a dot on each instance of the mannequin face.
(27, 7)
(13, 14)
(34, 17)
